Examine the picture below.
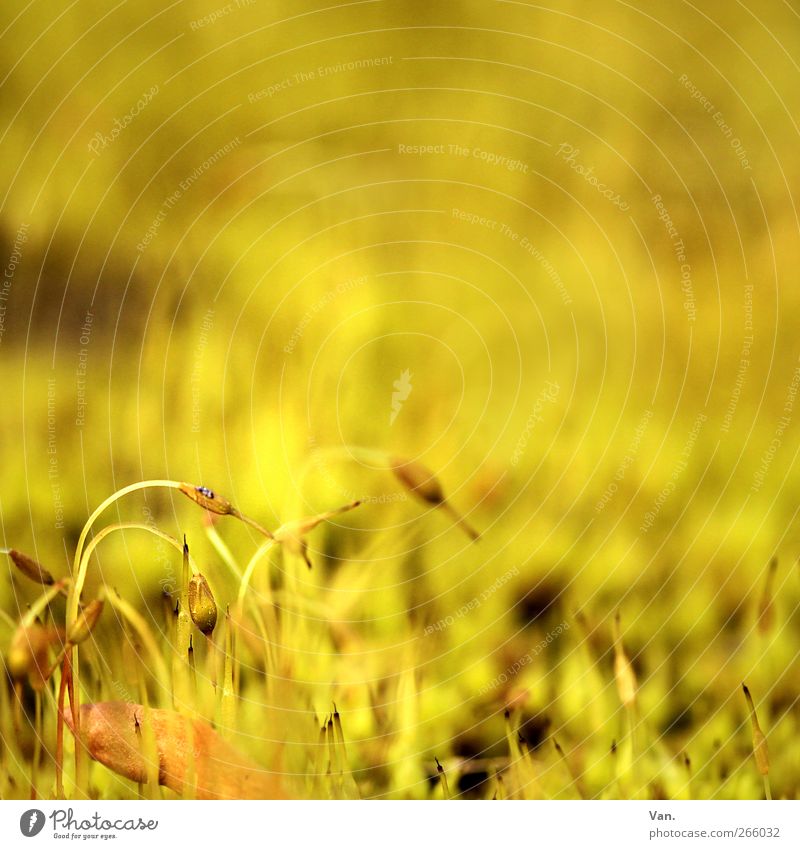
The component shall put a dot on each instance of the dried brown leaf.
(192, 758)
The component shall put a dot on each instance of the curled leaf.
(192, 758)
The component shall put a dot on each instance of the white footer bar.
(450, 825)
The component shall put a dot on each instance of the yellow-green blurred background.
(229, 230)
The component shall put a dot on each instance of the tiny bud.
(27, 655)
(202, 606)
(760, 751)
(85, 622)
(18, 659)
(30, 568)
(208, 499)
(418, 479)
(443, 779)
(424, 484)
(623, 669)
(214, 503)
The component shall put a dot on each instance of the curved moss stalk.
(79, 574)
(79, 567)
(201, 496)
(40, 605)
(137, 526)
(137, 622)
(244, 585)
(247, 575)
(221, 547)
(412, 475)
(343, 453)
(266, 630)
(373, 458)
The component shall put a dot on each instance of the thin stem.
(5, 714)
(120, 604)
(138, 526)
(244, 584)
(181, 690)
(227, 695)
(443, 780)
(634, 750)
(137, 622)
(60, 728)
(221, 547)
(81, 756)
(688, 764)
(41, 603)
(568, 767)
(319, 760)
(192, 668)
(37, 744)
(211, 666)
(343, 454)
(617, 784)
(331, 771)
(252, 522)
(262, 550)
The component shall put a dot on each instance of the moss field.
(458, 345)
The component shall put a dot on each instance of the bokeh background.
(547, 249)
